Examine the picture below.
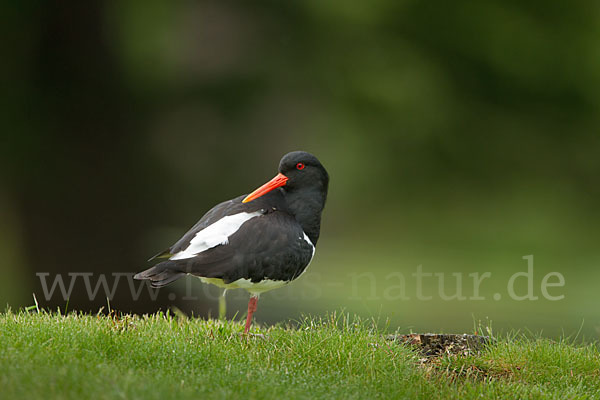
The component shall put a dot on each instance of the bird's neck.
(306, 206)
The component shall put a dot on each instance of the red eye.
(300, 165)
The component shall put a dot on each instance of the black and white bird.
(257, 242)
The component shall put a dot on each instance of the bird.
(258, 242)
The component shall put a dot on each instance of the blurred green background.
(459, 136)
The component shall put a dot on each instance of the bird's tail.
(161, 274)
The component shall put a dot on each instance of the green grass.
(48, 355)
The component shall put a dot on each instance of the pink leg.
(251, 309)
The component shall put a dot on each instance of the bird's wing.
(271, 246)
(213, 215)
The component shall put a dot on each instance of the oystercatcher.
(257, 242)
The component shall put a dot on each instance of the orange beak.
(274, 183)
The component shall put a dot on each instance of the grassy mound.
(48, 355)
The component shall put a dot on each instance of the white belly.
(252, 287)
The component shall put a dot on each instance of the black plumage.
(276, 242)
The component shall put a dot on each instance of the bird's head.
(298, 171)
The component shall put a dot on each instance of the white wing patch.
(215, 234)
